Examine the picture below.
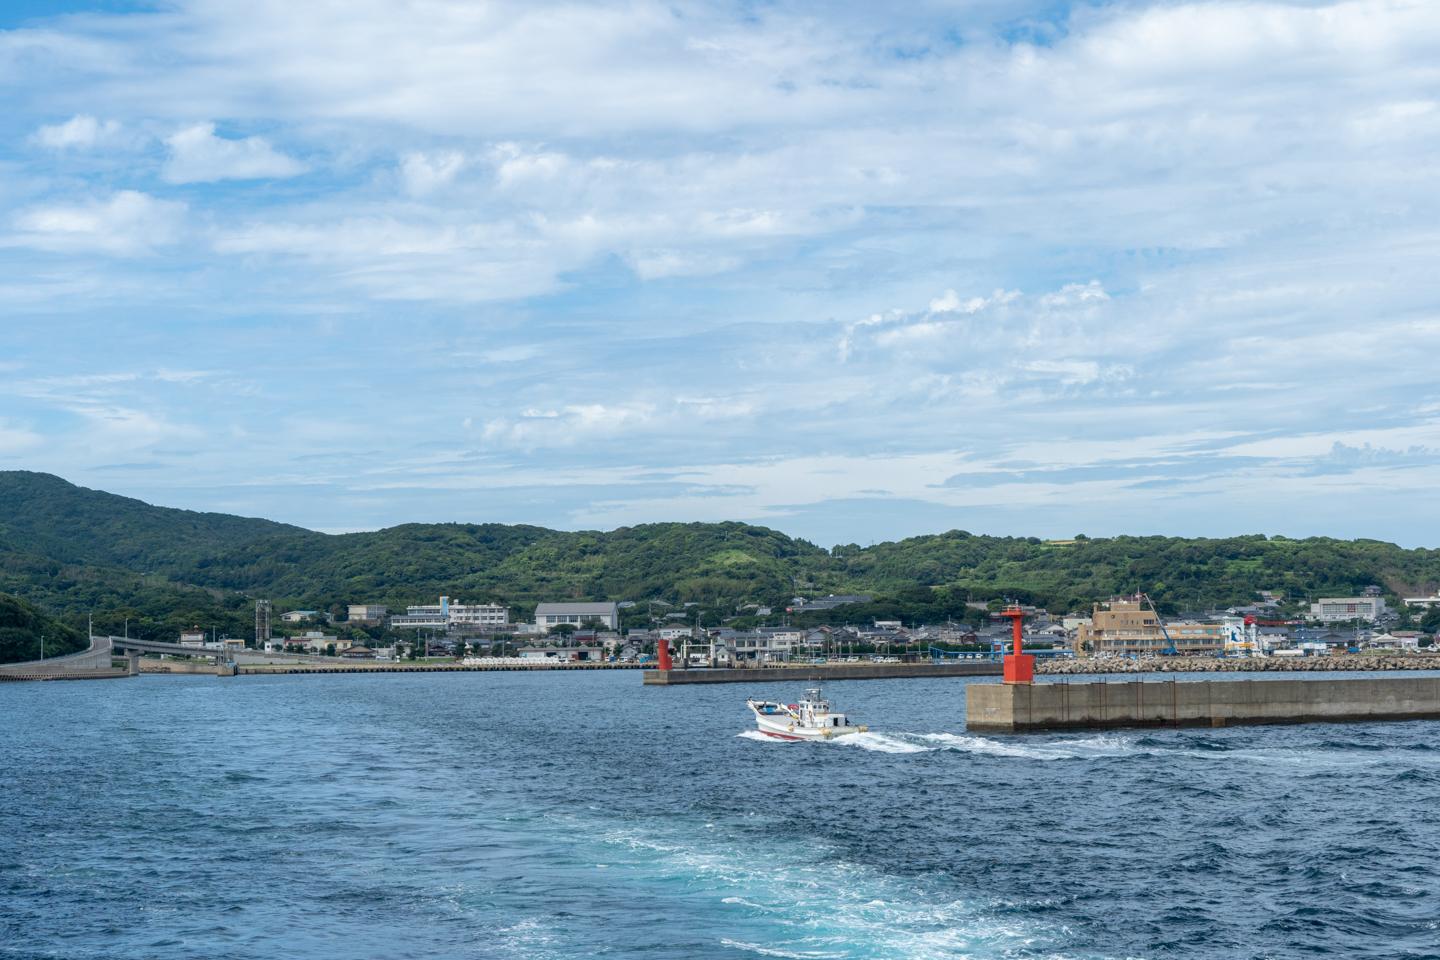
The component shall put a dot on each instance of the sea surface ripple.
(512, 815)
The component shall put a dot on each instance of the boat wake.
(757, 735)
(1081, 748)
(807, 901)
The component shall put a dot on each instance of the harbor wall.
(1008, 708)
(1336, 663)
(823, 672)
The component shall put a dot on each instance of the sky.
(853, 272)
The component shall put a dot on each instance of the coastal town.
(591, 632)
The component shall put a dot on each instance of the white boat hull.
(786, 726)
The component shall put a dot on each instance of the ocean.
(567, 815)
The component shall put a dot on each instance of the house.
(299, 616)
(315, 641)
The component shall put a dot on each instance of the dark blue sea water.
(576, 815)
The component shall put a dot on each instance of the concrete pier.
(1013, 708)
(824, 672)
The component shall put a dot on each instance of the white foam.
(1099, 746)
(881, 743)
(778, 952)
(804, 902)
(757, 735)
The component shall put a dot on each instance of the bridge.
(98, 661)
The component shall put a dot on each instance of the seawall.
(823, 672)
(1013, 708)
(1337, 663)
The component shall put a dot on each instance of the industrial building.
(1341, 609)
(367, 613)
(548, 615)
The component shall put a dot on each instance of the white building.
(314, 641)
(445, 614)
(548, 615)
(1425, 602)
(1342, 609)
(295, 616)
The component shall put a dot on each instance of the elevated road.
(92, 664)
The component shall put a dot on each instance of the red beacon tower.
(1019, 667)
(662, 653)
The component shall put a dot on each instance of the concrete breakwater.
(824, 672)
(1341, 663)
(1015, 708)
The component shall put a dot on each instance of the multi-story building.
(445, 615)
(1125, 627)
(367, 612)
(1340, 609)
(548, 615)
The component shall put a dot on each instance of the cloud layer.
(858, 274)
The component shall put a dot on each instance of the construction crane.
(1170, 648)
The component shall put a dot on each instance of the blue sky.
(1011, 267)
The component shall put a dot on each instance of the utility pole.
(42, 646)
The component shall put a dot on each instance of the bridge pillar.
(132, 662)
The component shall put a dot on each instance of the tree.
(329, 649)
(1431, 621)
(459, 649)
(565, 630)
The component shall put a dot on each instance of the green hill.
(76, 551)
(22, 627)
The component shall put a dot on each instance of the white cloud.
(424, 173)
(197, 155)
(15, 440)
(127, 223)
(81, 131)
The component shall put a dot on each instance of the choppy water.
(577, 815)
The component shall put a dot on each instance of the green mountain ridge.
(76, 551)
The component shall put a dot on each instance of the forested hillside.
(22, 628)
(75, 551)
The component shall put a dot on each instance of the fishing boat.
(810, 719)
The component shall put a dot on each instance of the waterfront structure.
(802, 605)
(1126, 626)
(1340, 609)
(446, 615)
(550, 615)
(366, 612)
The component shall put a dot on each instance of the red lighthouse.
(1019, 666)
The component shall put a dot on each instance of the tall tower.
(262, 623)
